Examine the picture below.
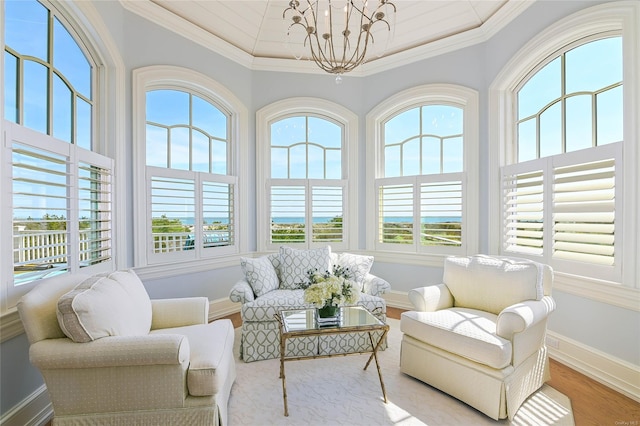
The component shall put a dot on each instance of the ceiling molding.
(157, 14)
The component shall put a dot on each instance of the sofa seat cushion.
(211, 356)
(465, 332)
(265, 307)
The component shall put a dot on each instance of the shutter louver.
(396, 214)
(523, 199)
(217, 206)
(584, 212)
(327, 202)
(288, 214)
(40, 213)
(172, 201)
(441, 213)
(94, 197)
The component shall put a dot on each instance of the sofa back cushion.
(491, 284)
(260, 274)
(294, 265)
(358, 265)
(116, 304)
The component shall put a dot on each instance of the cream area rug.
(337, 391)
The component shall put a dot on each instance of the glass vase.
(328, 311)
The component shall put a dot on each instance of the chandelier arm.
(323, 46)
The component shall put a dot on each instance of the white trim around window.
(446, 94)
(171, 77)
(307, 106)
(109, 140)
(623, 17)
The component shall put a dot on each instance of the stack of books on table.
(326, 322)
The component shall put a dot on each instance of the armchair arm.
(242, 292)
(116, 351)
(522, 316)
(375, 285)
(431, 298)
(168, 313)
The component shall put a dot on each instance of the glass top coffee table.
(305, 323)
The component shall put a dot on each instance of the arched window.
(566, 190)
(61, 186)
(425, 139)
(303, 160)
(188, 208)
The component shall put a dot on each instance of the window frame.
(85, 25)
(429, 94)
(178, 78)
(315, 107)
(620, 17)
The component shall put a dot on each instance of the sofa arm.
(242, 292)
(431, 298)
(115, 351)
(375, 285)
(168, 313)
(522, 316)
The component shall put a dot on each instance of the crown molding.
(181, 26)
(158, 15)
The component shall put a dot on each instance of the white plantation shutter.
(94, 211)
(584, 212)
(288, 205)
(440, 207)
(41, 243)
(172, 201)
(565, 210)
(316, 202)
(328, 213)
(218, 205)
(523, 192)
(395, 218)
(61, 198)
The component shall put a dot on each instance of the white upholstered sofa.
(110, 355)
(271, 284)
(480, 335)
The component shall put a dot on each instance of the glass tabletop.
(348, 317)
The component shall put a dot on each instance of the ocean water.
(396, 219)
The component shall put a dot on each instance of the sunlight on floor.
(398, 416)
(541, 408)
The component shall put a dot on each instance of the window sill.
(598, 290)
(11, 325)
(165, 270)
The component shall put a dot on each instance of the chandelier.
(338, 32)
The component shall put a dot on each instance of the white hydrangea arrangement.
(330, 289)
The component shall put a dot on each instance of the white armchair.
(480, 335)
(178, 370)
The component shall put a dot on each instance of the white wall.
(611, 331)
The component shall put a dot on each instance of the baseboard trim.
(619, 375)
(34, 410)
(398, 299)
(222, 307)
